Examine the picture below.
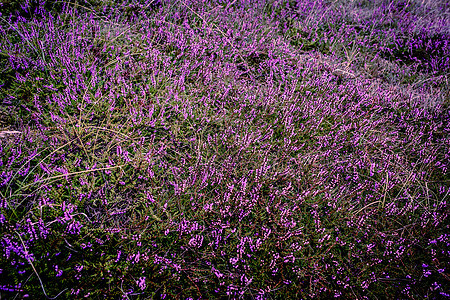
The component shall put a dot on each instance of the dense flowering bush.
(224, 149)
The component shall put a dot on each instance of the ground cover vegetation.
(224, 149)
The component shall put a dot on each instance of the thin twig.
(71, 174)
(6, 132)
(25, 39)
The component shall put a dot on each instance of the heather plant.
(214, 149)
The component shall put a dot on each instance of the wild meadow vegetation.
(182, 149)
